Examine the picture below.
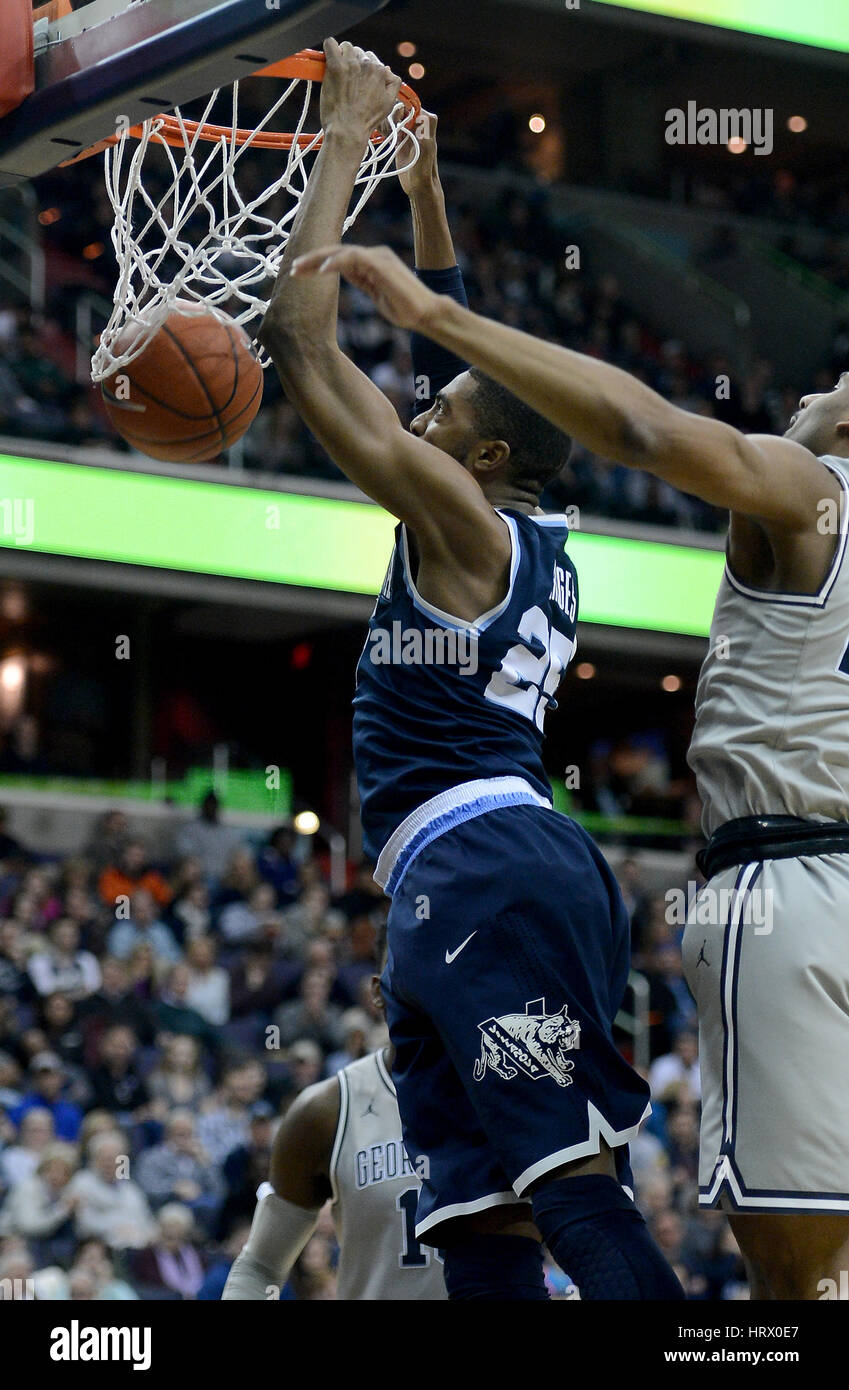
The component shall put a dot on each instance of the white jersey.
(375, 1194)
(772, 705)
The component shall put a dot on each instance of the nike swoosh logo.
(452, 955)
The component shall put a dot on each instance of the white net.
(197, 222)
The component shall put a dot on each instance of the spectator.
(47, 1082)
(173, 1012)
(39, 1206)
(142, 971)
(96, 1122)
(178, 1169)
(37, 903)
(239, 880)
(10, 1076)
(15, 980)
(171, 1261)
(355, 1028)
(670, 1002)
(179, 1079)
(207, 840)
(668, 1230)
(246, 1166)
(64, 1037)
(82, 907)
(224, 1124)
(82, 1285)
(116, 1083)
(92, 1277)
(209, 984)
(108, 841)
(20, 1161)
(311, 917)
(190, 912)
(276, 864)
(682, 1143)
(240, 920)
(95, 1257)
(63, 966)
(314, 1274)
(109, 1203)
(311, 1015)
(364, 896)
(187, 872)
(114, 1003)
(258, 982)
(143, 926)
(305, 1063)
(360, 962)
(636, 900)
(130, 875)
(676, 1076)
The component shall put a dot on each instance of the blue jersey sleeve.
(434, 366)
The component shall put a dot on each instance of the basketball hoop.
(192, 235)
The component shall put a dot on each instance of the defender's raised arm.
(606, 409)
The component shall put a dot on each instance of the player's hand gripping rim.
(378, 272)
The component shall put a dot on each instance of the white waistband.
(454, 806)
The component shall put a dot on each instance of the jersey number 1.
(412, 1256)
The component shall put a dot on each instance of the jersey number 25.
(531, 670)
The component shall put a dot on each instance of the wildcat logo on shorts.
(534, 1042)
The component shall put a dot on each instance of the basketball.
(193, 391)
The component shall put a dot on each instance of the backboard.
(125, 60)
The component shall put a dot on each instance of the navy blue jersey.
(439, 701)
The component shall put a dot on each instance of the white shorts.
(766, 955)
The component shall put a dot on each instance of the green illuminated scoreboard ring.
(817, 23)
(194, 526)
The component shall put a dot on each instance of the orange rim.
(308, 65)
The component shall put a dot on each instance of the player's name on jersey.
(563, 592)
(430, 646)
(383, 1162)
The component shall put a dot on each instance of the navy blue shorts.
(508, 957)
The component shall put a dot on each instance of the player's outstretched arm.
(436, 262)
(433, 245)
(285, 1219)
(357, 95)
(609, 411)
(350, 417)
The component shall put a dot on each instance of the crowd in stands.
(157, 1020)
(511, 253)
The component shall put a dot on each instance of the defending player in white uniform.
(342, 1140)
(771, 754)
(766, 947)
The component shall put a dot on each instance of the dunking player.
(508, 940)
(341, 1139)
(771, 756)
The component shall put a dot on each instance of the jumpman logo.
(702, 960)
(370, 1110)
